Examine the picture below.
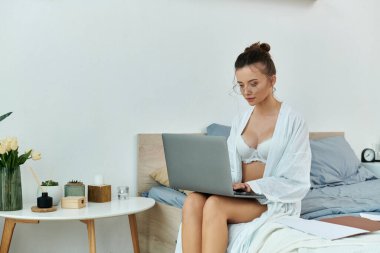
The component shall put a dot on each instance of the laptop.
(200, 163)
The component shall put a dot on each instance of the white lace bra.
(249, 154)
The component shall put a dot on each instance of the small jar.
(44, 201)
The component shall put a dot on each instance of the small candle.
(98, 180)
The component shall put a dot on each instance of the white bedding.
(275, 238)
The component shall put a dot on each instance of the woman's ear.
(273, 80)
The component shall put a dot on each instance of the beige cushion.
(161, 176)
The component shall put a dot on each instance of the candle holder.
(99, 193)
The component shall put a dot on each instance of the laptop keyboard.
(244, 193)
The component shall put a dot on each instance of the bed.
(158, 227)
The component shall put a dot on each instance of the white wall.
(84, 77)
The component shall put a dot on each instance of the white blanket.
(277, 238)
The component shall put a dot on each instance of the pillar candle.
(98, 180)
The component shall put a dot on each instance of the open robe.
(286, 177)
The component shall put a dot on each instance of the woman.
(269, 154)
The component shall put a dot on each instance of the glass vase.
(10, 189)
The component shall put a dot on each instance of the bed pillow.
(335, 163)
(160, 176)
(218, 130)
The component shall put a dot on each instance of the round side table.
(87, 215)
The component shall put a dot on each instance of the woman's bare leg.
(192, 213)
(217, 212)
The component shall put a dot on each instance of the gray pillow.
(218, 130)
(335, 163)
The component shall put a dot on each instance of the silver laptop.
(200, 163)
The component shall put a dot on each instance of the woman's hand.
(241, 187)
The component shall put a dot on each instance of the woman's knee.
(193, 204)
(213, 207)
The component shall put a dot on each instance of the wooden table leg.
(9, 226)
(133, 227)
(91, 234)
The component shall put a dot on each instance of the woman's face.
(254, 85)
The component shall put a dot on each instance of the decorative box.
(74, 188)
(74, 202)
(99, 193)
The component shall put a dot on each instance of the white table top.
(91, 211)
(374, 167)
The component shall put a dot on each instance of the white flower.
(14, 143)
(3, 143)
(36, 155)
(8, 143)
(3, 149)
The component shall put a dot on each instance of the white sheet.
(322, 229)
(275, 238)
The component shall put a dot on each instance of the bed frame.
(158, 226)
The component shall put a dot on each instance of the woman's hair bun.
(258, 45)
(257, 53)
(265, 46)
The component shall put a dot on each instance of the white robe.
(286, 177)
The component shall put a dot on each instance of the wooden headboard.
(151, 156)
